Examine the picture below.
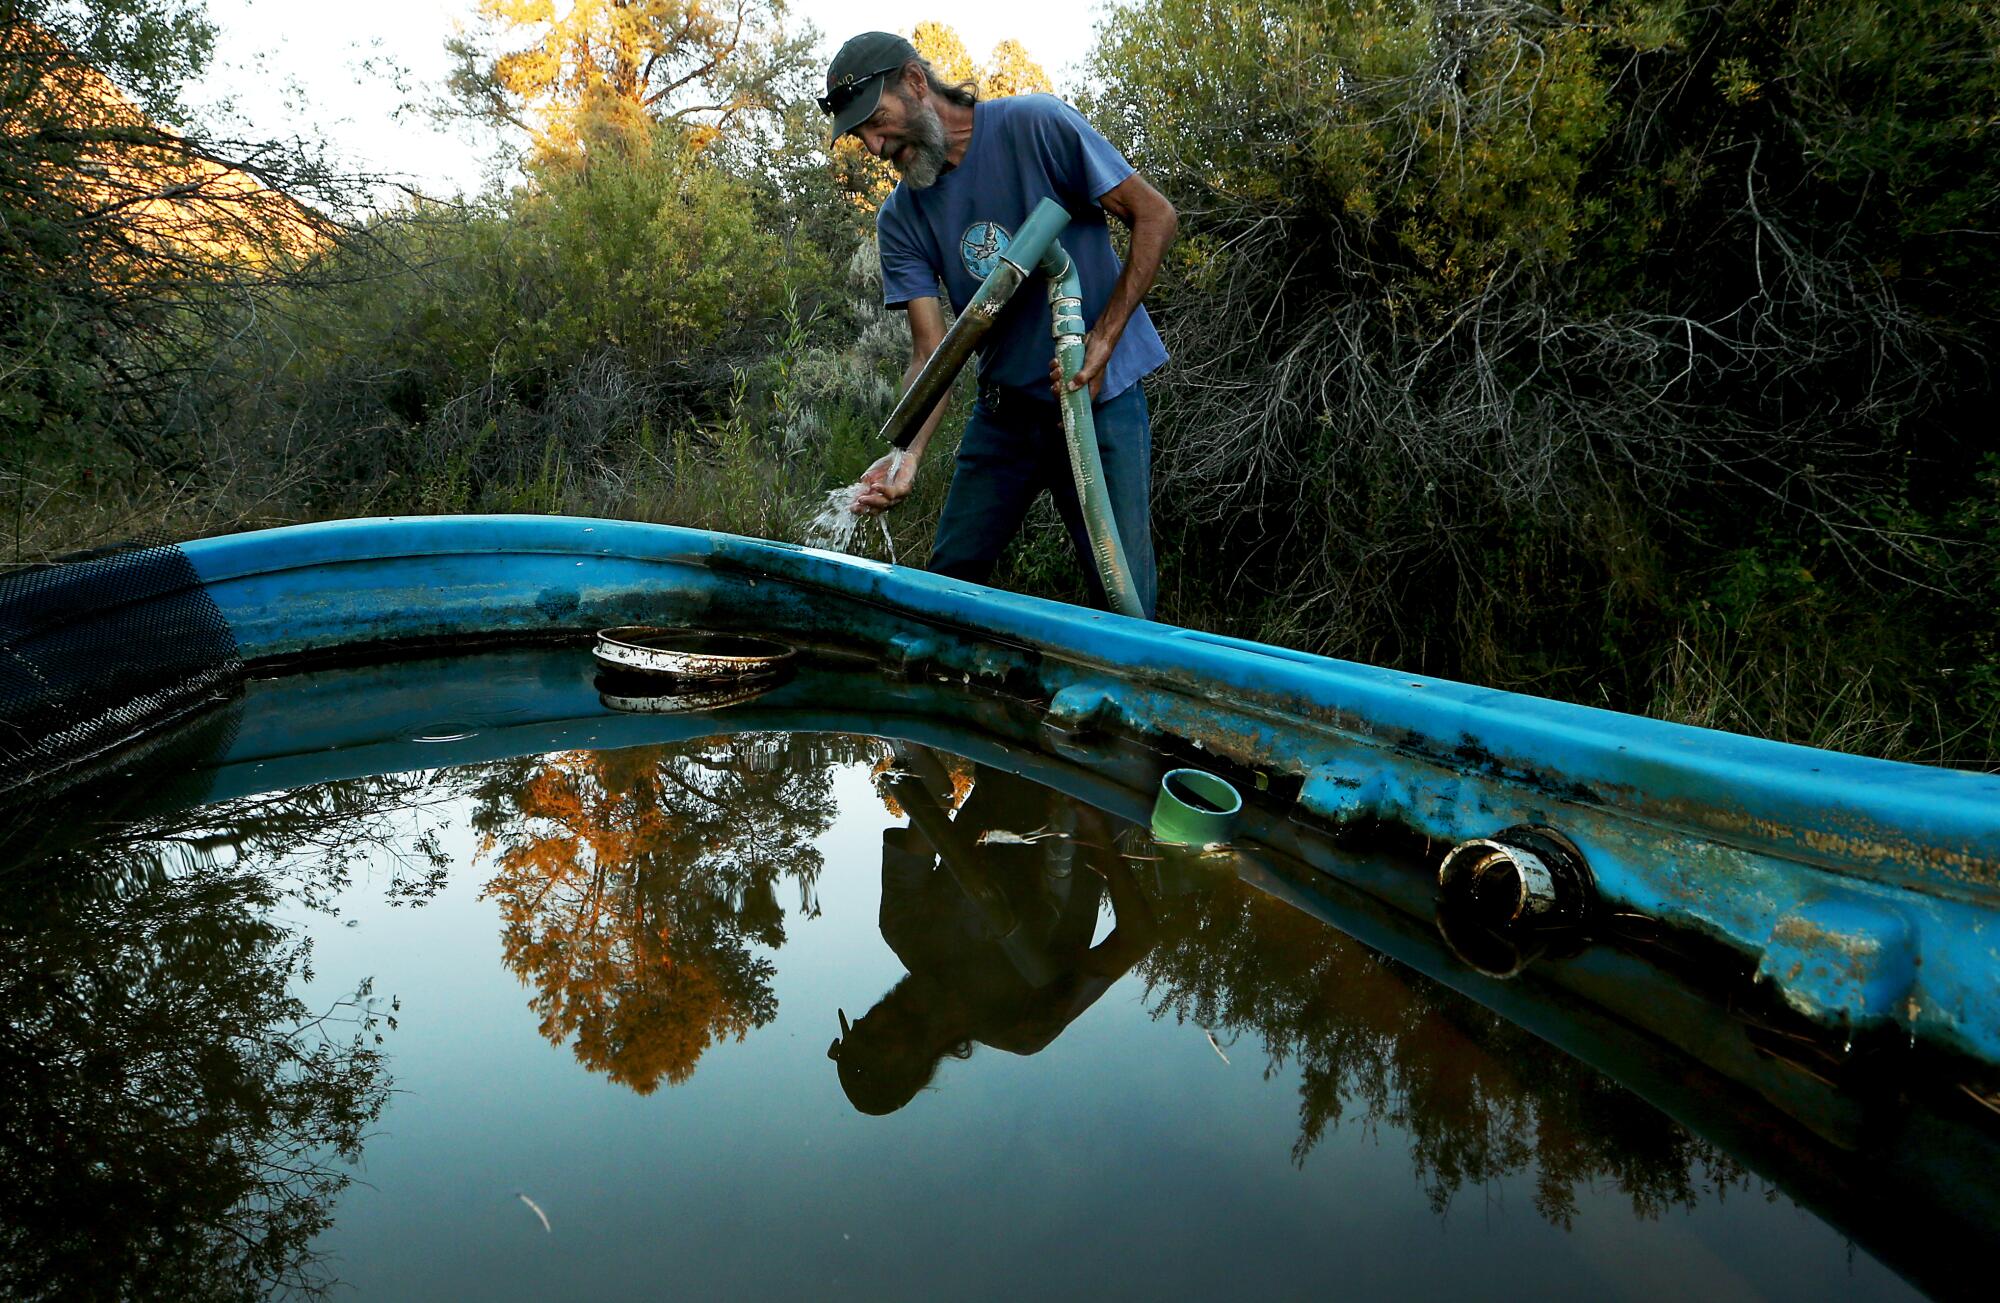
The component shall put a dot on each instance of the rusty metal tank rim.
(667, 653)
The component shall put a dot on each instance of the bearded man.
(972, 170)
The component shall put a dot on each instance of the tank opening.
(1497, 889)
(1523, 877)
(1193, 795)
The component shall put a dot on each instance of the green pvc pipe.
(1194, 808)
(1034, 247)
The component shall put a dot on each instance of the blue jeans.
(1012, 450)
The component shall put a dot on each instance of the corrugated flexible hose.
(1114, 570)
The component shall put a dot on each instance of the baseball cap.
(855, 78)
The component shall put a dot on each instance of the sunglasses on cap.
(850, 86)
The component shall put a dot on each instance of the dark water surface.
(782, 1016)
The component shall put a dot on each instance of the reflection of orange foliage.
(633, 884)
(957, 768)
(579, 923)
(889, 801)
(162, 193)
(960, 770)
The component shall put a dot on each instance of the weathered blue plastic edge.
(1865, 890)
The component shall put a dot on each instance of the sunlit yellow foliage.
(590, 74)
(940, 45)
(164, 194)
(1011, 70)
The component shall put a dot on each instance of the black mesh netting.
(98, 649)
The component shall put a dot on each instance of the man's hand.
(1096, 353)
(880, 490)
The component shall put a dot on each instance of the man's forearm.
(927, 331)
(931, 422)
(1152, 233)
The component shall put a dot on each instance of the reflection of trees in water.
(1479, 1098)
(633, 885)
(177, 1123)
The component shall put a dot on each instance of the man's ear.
(916, 86)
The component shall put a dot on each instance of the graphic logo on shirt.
(981, 247)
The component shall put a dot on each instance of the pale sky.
(326, 71)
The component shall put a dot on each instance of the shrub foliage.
(1629, 349)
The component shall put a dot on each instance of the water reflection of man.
(996, 936)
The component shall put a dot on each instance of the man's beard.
(926, 149)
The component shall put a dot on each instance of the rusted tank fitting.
(1525, 877)
(689, 655)
(635, 694)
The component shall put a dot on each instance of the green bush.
(509, 353)
(1506, 334)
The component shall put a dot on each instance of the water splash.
(837, 526)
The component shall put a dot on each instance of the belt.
(1009, 400)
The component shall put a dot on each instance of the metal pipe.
(1020, 257)
(946, 360)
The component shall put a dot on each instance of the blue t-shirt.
(1024, 149)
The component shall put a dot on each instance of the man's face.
(909, 135)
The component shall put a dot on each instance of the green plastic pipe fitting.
(1195, 808)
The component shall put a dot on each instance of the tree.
(594, 72)
(123, 230)
(1523, 342)
(941, 47)
(1011, 70)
